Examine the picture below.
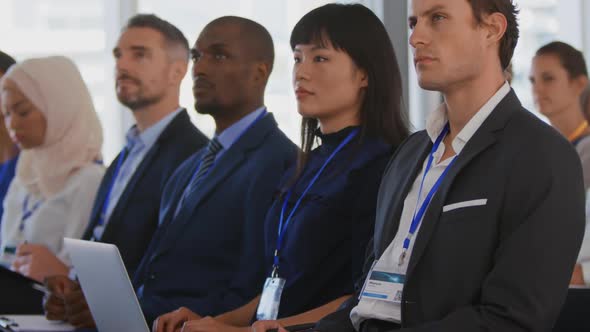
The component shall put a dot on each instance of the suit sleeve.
(364, 201)
(541, 227)
(339, 321)
(583, 150)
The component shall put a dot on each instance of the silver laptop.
(106, 285)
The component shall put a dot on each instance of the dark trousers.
(17, 297)
(375, 325)
(575, 312)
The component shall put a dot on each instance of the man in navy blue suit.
(151, 61)
(151, 58)
(206, 251)
(205, 254)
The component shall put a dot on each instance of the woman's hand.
(209, 324)
(264, 325)
(173, 321)
(37, 262)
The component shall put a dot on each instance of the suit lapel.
(129, 188)
(224, 168)
(227, 165)
(388, 223)
(483, 138)
(431, 217)
(173, 227)
(171, 129)
(99, 201)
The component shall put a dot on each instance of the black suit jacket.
(135, 216)
(504, 266)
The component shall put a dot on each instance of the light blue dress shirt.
(226, 139)
(231, 134)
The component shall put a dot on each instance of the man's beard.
(139, 101)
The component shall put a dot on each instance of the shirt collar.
(230, 135)
(148, 137)
(438, 119)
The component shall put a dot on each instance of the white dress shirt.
(369, 308)
(65, 214)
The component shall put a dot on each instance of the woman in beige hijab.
(49, 114)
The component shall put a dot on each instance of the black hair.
(570, 58)
(357, 31)
(5, 62)
(257, 36)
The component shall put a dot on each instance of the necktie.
(207, 161)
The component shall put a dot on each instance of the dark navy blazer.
(135, 216)
(208, 257)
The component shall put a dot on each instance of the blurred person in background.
(8, 150)
(558, 78)
(55, 125)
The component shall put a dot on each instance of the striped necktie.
(207, 161)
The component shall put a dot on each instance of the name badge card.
(270, 300)
(384, 286)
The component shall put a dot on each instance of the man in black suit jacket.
(480, 217)
(151, 60)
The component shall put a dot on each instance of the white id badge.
(268, 308)
(384, 286)
(8, 256)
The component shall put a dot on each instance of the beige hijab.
(73, 138)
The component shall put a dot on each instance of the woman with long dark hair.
(348, 88)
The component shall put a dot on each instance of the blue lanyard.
(237, 139)
(284, 224)
(6, 167)
(27, 213)
(417, 219)
(105, 204)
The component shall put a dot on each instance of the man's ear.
(178, 71)
(262, 72)
(495, 25)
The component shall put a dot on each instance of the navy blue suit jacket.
(209, 258)
(135, 216)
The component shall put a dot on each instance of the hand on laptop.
(37, 262)
(53, 301)
(77, 311)
(264, 325)
(210, 324)
(66, 302)
(173, 321)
